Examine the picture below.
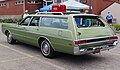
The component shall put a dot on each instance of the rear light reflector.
(70, 44)
(113, 38)
(80, 42)
(95, 40)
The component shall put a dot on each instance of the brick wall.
(17, 9)
(11, 8)
(100, 5)
(33, 7)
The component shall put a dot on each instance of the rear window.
(88, 21)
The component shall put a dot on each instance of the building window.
(34, 1)
(110, 0)
(19, 2)
(67, 0)
(83, 1)
(2, 4)
(55, 1)
(48, 0)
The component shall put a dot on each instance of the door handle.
(37, 29)
(79, 33)
(60, 32)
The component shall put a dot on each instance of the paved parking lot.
(25, 57)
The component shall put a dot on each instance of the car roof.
(65, 15)
(83, 15)
(50, 15)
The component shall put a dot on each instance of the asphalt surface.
(25, 57)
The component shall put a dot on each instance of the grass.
(117, 27)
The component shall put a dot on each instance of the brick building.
(99, 5)
(17, 7)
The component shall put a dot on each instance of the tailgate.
(93, 37)
(92, 31)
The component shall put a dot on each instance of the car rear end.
(93, 35)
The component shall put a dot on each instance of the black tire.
(10, 39)
(47, 50)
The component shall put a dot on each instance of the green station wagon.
(75, 34)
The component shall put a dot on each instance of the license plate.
(97, 50)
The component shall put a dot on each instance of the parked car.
(75, 34)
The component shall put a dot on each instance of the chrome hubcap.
(9, 37)
(45, 48)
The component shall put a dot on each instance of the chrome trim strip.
(96, 37)
(96, 41)
(40, 21)
(76, 51)
(51, 13)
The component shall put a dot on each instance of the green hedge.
(10, 20)
(117, 26)
(31, 12)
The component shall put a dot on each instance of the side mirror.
(18, 21)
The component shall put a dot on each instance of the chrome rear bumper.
(97, 49)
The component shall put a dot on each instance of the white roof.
(2, 0)
(83, 15)
(72, 4)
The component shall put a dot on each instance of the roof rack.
(56, 13)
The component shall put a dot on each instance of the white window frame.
(49, 0)
(19, 2)
(3, 4)
(34, 2)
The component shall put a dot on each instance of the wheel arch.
(41, 38)
(6, 31)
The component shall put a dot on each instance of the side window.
(35, 21)
(26, 21)
(64, 23)
(55, 22)
(46, 21)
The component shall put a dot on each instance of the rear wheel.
(46, 49)
(10, 39)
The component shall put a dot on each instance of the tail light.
(113, 38)
(95, 40)
(80, 42)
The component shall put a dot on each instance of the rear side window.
(88, 21)
(54, 22)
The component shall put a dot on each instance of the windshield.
(88, 21)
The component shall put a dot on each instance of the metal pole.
(46, 3)
(24, 3)
(90, 6)
(53, 1)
